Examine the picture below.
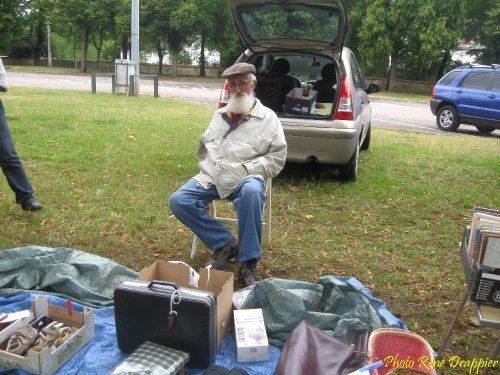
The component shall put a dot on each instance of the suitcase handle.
(164, 283)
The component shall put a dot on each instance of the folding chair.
(266, 216)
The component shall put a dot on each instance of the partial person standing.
(10, 163)
(243, 145)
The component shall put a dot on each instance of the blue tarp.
(97, 283)
(101, 354)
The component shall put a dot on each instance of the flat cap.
(239, 68)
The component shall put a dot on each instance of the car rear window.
(476, 80)
(272, 21)
(449, 78)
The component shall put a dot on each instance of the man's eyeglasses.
(240, 84)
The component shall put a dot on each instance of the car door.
(491, 108)
(362, 101)
(471, 92)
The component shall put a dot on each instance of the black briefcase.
(179, 318)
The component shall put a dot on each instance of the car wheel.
(349, 171)
(366, 142)
(447, 118)
(484, 129)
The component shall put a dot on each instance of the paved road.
(387, 114)
(204, 92)
(417, 117)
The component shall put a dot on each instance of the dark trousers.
(11, 165)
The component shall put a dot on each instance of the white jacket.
(4, 86)
(255, 146)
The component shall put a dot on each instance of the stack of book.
(484, 255)
(484, 241)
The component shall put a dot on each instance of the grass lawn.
(104, 166)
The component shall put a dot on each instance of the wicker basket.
(407, 348)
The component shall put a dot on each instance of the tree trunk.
(159, 51)
(442, 66)
(124, 45)
(175, 59)
(49, 46)
(40, 36)
(202, 55)
(85, 47)
(98, 48)
(392, 72)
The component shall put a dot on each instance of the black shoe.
(248, 274)
(228, 253)
(32, 206)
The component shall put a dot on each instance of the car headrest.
(281, 66)
(328, 72)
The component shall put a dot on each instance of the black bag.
(179, 318)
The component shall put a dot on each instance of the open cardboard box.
(218, 282)
(297, 103)
(47, 362)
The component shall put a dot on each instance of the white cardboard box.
(218, 282)
(47, 362)
(251, 337)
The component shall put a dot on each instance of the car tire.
(349, 171)
(366, 142)
(484, 129)
(447, 118)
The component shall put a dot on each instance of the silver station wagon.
(307, 76)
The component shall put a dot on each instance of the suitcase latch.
(171, 318)
(174, 300)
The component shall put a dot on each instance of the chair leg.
(193, 246)
(269, 206)
(266, 217)
(453, 322)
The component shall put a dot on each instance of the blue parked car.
(468, 95)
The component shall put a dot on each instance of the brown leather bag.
(310, 351)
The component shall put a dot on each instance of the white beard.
(241, 103)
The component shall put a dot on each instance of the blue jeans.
(11, 165)
(188, 205)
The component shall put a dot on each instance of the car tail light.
(344, 104)
(224, 95)
(433, 92)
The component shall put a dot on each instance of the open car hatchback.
(307, 76)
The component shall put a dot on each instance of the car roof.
(319, 26)
(478, 66)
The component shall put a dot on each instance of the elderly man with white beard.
(243, 145)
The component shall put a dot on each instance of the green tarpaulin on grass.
(342, 307)
(86, 278)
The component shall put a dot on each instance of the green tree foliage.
(492, 33)
(483, 26)
(12, 22)
(410, 39)
(160, 31)
(90, 17)
(232, 46)
(123, 31)
(206, 20)
(415, 36)
(432, 42)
